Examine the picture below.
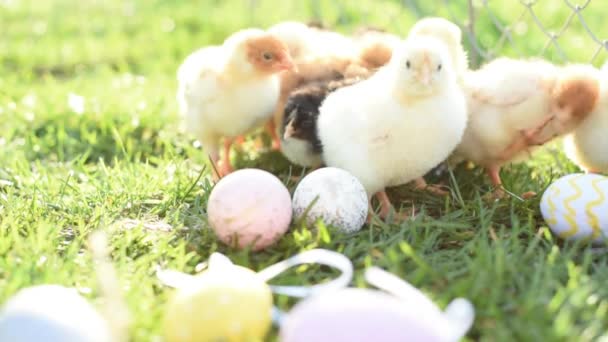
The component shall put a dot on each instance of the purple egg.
(352, 315)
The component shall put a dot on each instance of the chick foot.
(435, 189)
(499, 192)
(386, 208)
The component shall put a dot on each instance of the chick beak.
(287, 64)
(289, 131)
(425, 78)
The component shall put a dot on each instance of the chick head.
(447, 32)
(255, 52)
(301, 116)
(422, 66)
(439, 28)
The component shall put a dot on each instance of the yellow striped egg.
(576, 207)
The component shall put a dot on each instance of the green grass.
(63, 175)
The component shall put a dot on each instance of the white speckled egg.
(249, 207)
(576, 207)
(51, 313)
(342, 200)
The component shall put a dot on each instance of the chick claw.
(496, 195)
(435, 189)
(386, 208)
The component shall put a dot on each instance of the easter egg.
(249, 207)
(576, 207)
(354, 314)
(333, 195)
(224, 303)
(51, 313)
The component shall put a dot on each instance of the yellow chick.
(587, 146)
(398, 124)
(450, 34)
(515, 105)
(226, 91)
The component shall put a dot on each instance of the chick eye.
(439, 67)
(267, 56)
(408, 64)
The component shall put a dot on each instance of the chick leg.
(272, 130)
(386, 207)
(528, 138)
(493, 172)
(435, 189)
(225, 166)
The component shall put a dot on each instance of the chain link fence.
(559, 30)
(514, 20)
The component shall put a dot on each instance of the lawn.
(90, 138)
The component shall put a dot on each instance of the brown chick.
(575, 97)
(300, 141)
(515, 105)
(245, 67)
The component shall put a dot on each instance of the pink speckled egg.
(249, 207)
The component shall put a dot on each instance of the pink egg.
(357, 315)
(249, 207)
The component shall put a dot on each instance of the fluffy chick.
(400, 123)
(515, 105)
(587, 146)
(300, 141)
(450, 34)
(226, 91)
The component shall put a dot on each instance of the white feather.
(300, 152)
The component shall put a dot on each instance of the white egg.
(576, 207)
(342, 201)
(51, 313)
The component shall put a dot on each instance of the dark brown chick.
(299, 139)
